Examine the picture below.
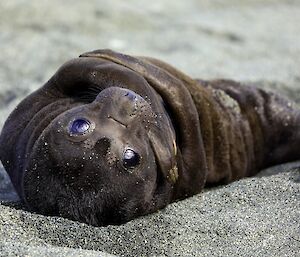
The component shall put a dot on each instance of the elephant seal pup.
(111, 137)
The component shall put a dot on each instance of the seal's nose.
(131, 95)
(124, 106)
(118, 94)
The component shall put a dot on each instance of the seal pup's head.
(97, 162)
(95, 144)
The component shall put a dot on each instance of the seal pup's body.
(148, 135)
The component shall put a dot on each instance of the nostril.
(102, 146)
(131, 95)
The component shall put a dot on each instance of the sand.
(252, 217)
(256, 41)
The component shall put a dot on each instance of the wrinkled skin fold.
(111, 137)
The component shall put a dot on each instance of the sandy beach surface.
(255, 41)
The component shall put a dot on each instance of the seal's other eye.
(79, 126)
(130, 159)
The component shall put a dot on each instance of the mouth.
(118, 121)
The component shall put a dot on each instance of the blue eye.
(80, 126)
(130, 159)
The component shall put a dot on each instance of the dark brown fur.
(189, 133)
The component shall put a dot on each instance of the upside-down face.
(97, 142)
(100, 162)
